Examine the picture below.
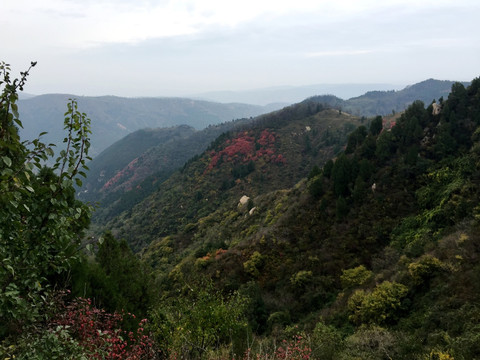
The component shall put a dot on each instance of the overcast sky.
(181, 47)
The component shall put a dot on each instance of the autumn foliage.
(245, 148)
(100, 333)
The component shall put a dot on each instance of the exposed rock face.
(243, 200)
(437, 108)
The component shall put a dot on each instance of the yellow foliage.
(355, 277)
(378, 306)
(439, 355)
(424, 268)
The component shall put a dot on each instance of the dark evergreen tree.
(376, 126)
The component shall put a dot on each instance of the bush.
(370, 344)
(380, 306)
(355, 277)
(199, 321)
(254, 264)
(424, 268)
(326, 341)
(80, 331)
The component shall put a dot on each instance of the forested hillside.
(152, 157)
(129, 170)
(307, 233)
(372, 256)
(272, 152)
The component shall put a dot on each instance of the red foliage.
(100, 334)
(219, 253)
(126, 171)
(245, 148)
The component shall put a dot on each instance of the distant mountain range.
(293, 94)
(375, 103)
(115, 117)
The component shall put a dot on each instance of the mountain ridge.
(114, 117)
(361, 105)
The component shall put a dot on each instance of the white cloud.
(201, 43)
(74, 23)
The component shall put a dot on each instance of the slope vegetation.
(272, 152)
(378, 251)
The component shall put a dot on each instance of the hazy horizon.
(153, 48)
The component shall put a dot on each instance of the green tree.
(327, 341)
(327, 169)
(380, 306)
(355, 277)
(376, 126)
(341, 175)
(315, 187)
(355, 139)
(314, 172)
(385, 146)
(341, 208)
(40, 221)
(117, 280)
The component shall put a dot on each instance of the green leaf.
(15, 110)
(18, 122)
(78, 182)
(29, 188)
(7, 161)
(12, 270)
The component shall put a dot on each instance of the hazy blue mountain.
(115, 117)
(292, 94)
(375, 103)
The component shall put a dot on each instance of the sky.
(179, 47)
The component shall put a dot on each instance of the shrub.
(78, 330)
(199, 321)
(380, 306)
(424, 268)
(326, 341)
(254, 264)
(355, 277)
(370, 343)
